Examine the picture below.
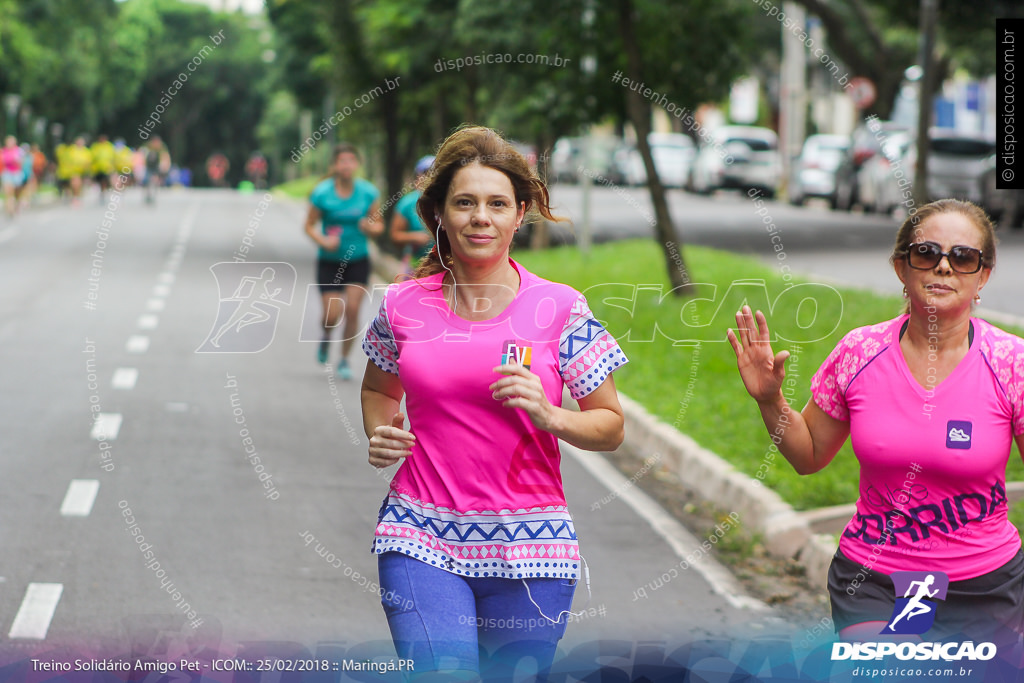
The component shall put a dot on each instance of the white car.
(673, 154)
(814, 171)
(740, 157)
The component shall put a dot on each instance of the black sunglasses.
(926, 255)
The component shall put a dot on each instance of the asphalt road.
(239, 557)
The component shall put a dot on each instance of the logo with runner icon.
(251, 297)
(917, 594)
(958, 434)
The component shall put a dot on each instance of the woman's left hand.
(520, 388)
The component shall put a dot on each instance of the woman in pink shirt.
(11, 174)
(931, 401)
(476, 548)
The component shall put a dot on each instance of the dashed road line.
(106, 427)
(125, 378)
(80, 497)
(36, 611)
(137, 343)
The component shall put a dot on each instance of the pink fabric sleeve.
(828, 385)
(1007, 362)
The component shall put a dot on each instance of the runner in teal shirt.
(406, 226)
(344, 211)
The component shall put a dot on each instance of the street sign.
(863, 92)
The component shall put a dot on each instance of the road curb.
(786, 533)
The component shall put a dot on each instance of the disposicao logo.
(917, 594)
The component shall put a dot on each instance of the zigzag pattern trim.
(473, 531)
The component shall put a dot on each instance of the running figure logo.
(247, 318)
(914, 613)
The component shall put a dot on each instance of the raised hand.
(761, 370)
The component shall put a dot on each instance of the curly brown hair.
(468, 145)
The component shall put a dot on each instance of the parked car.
(864, 144)
(960, 166)
(567, 157)
(885, 179)
(672, 153)
(814, 171)
(957, 164)
(741, 157)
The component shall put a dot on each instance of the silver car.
(740, 157)
(672, 154)
(959, 165)
(814, 171)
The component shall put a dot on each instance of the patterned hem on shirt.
(511, 544)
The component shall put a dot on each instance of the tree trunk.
(639, 112)
(392, 164)
(929, 16)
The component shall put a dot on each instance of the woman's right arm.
(381, 396)
(809, 439)
(313, 218)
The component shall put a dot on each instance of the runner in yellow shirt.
(80, 159)
(64, 171)
(102, 163)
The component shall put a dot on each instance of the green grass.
(682, 368)
(298, 188)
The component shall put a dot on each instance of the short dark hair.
(345, 148)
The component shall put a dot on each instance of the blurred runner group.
(77, 166)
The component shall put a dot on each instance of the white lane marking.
(106, 427)
(155, 304)
(137, 343)
(682, 542)
(167, 278)
(80, 497)
(148, 321)
(161, 290)
(8, 234)
(36, 611)
(125, 378)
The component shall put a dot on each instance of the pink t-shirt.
(10, 159)
(932, 461)
(482, 494)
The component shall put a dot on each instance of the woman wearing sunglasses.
(931, 401)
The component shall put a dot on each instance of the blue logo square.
(958, 434)
(916, 597)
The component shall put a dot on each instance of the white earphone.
(455, 297)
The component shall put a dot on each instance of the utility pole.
(793, 96)
(929, 19)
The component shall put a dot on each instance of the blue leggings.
(444, 621)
